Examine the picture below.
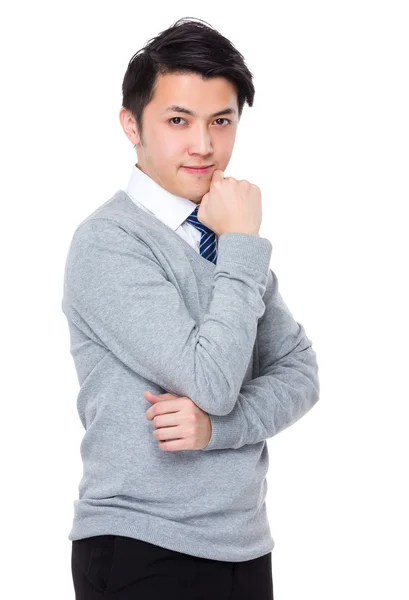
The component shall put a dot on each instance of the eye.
(175, 118)
(224, 119)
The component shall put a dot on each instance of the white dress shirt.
(170, 209)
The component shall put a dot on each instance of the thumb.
(218, 175)
(151, 397)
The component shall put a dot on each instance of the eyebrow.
(176, 108)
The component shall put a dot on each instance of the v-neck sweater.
(147, 312)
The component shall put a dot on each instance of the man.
(187, 356)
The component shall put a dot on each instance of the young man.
(187, 357)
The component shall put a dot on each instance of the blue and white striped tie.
(208, 239)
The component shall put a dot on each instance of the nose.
(201, 141)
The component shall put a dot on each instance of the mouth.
(198, 170)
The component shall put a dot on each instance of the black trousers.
(123, 568)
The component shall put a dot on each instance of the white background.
(327, 142)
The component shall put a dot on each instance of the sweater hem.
(98, 525)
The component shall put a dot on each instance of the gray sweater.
(146, 312)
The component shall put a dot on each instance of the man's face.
(173, 139)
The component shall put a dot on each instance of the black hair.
(187, 46)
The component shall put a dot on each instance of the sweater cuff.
(244, 249)
(227, 431)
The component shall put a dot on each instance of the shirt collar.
(172, 210)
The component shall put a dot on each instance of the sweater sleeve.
(287, 386)
(117, 292)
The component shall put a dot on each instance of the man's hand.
(178, 419)
(231, 205)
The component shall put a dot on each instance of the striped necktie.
(208, 239)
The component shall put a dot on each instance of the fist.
(231, 205)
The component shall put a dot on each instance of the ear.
(129, 126)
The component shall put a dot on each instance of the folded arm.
(287, 386)
(118, 293)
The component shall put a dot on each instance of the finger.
(167, 420)
(174, 445)
(163, 407)
(168, 433)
